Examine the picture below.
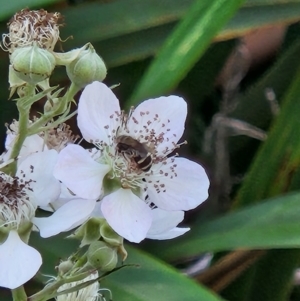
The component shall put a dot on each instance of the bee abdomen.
(144, 163)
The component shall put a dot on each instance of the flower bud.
(89, 231)
(87, 67)
(32, 64)
(65, 266)
(110, 236)
(101, 256)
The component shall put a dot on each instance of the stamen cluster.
(15, 203)
(29, 26)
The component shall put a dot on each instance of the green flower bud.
(89, 231)
(87, 67)
(32, 64)
(65, 266)
(101, 256)
(110, 236)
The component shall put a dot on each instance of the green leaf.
(272, 224)
(153, 280)
(259, 15)
(185, 46)
(9, 8)
(276, 170)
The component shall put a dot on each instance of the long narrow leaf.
(184, 47)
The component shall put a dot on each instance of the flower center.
(58, 137)
(134, 147)
(16, 205)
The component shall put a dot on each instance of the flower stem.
(39, 125)
(11, 168)
(19, 294)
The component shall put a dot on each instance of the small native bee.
(134, 150)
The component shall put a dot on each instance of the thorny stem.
(54, 124)
(50, 290)
(39, 125)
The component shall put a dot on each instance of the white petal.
(97, 212)
(9, 140)
(164, 116)
(183, 188)
(65, 218)
(38, 167)
(31, 145)
(79, 172)
(98, 112)
(164, 224)
(127, 214)
(173, 233)
(18, 261)
(164, 220)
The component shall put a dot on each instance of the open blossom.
(33, 186)
(19, 197)
(31, 144)
(130, 169)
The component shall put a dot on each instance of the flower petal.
(31, 145)
(180, 184)
(163, 117)
(97, 212)
(127, 214)
(164, 220)
(98, 112)
(67, 217)
(38, 167)
(164, 224)
(79, 172)
(170, 234)
(19, 262)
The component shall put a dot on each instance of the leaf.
(9, 8)
(185, 46)
(153, 280)
(272, 224)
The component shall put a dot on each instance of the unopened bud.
(32, 64)
(87, 67)
(110, 236)
(65, 266)
(101, 256)
(88, 232)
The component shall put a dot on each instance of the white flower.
(19, 198)
(129, 191)
(31, 144)
(33, 186)
(163, 226)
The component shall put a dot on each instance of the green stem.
(22, 134)
(19, 294)
(50, 290)
(44, 119)
(11, 168)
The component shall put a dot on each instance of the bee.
(134, 150)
